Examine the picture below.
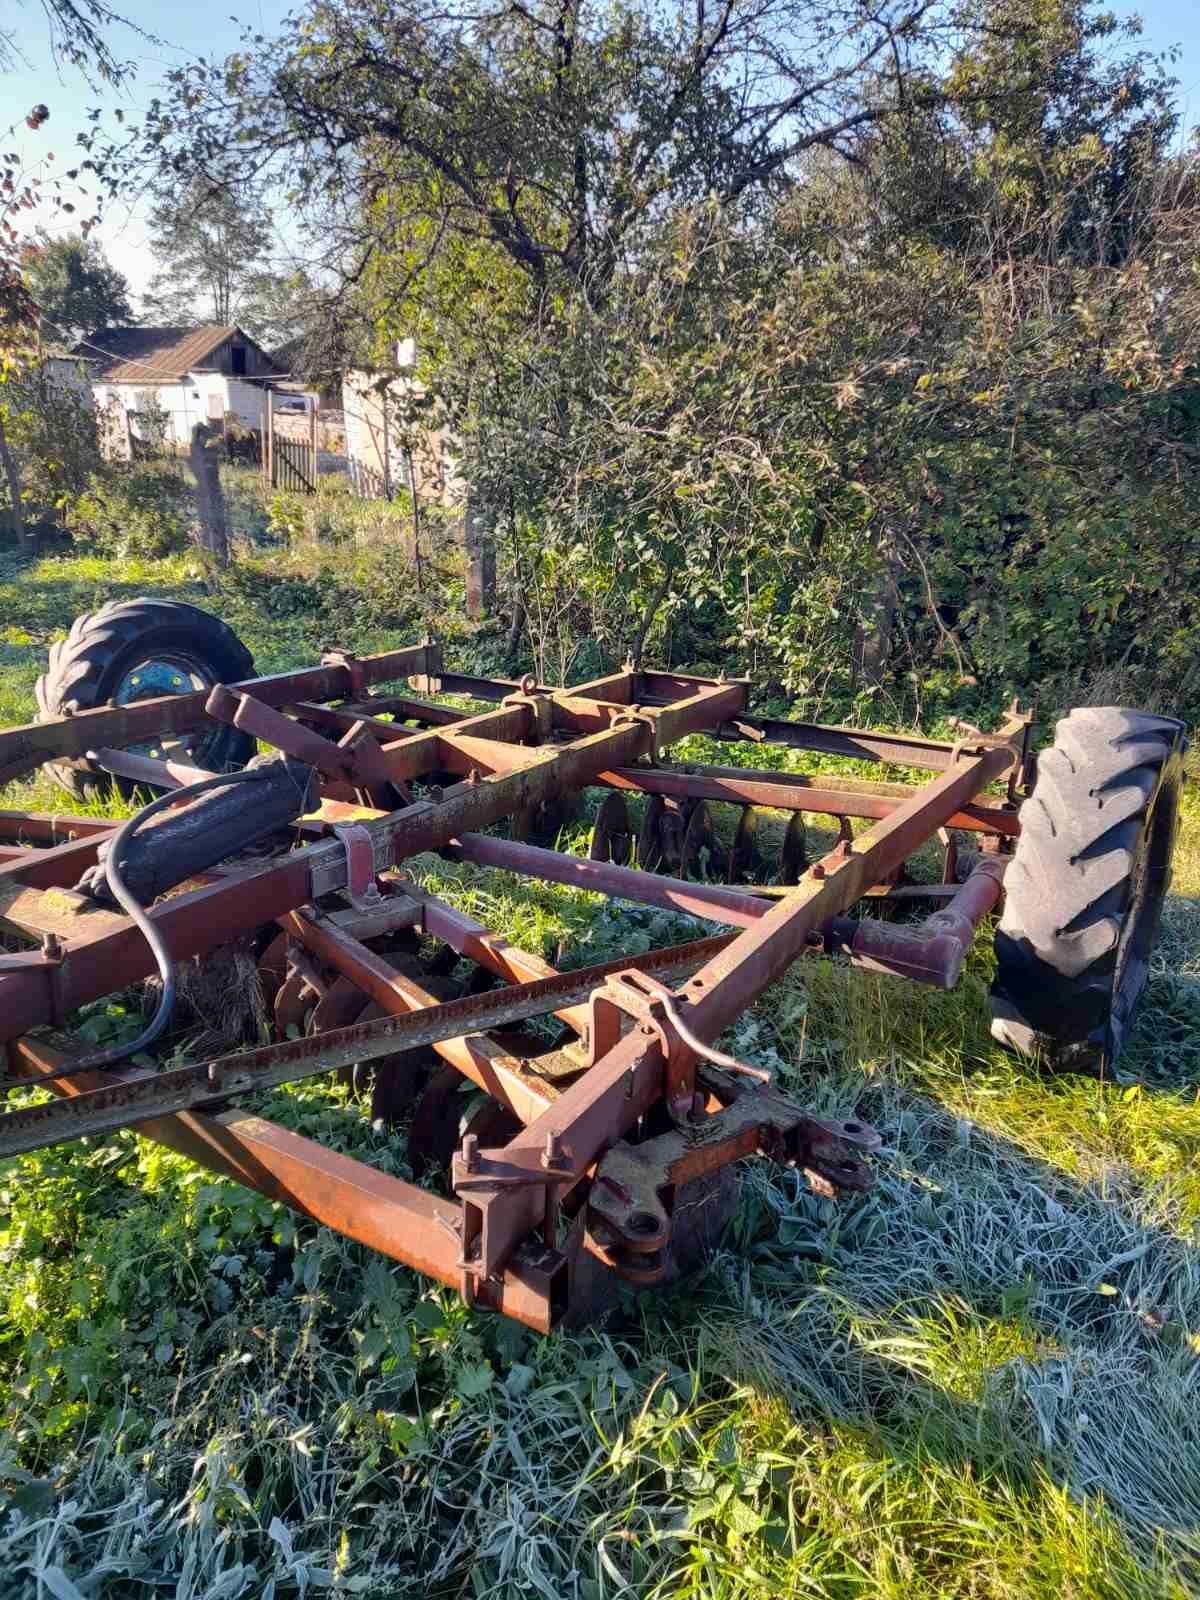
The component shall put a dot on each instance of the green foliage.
(146, 510)
(76, 288)
(51, 430)
(211, 241)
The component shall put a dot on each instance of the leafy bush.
(146, 511)
(335, 515)
(52, 431)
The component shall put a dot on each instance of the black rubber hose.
(136, 911)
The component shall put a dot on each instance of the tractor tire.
(131, 650)
(1084, 892)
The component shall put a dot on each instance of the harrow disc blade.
(700, 854)
(272, 968)
(293, 1002)
(793, 862)
(663, 830)
(543, 820)
(612, 832)
(447, 1110)
(649, 844)
(746, 861)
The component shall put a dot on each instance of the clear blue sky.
(191, 30)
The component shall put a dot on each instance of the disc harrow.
(581, 1120)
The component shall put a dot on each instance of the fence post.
(205, 461)
(14, 490)
(481, 559)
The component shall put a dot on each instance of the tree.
(211, 241)
(76, 288)
(77, 31)
(854, 344)
(284, 308)
(77, 36)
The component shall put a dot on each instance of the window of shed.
(238, 358)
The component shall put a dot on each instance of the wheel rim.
(161, 674)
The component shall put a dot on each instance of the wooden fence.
(289, 462)
(293, 465)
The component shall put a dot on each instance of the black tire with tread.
(1084, 891)
(85, 668)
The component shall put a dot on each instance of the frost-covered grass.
(981, 1380)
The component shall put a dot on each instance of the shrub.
(144, 511)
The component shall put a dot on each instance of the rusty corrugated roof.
(152, 355)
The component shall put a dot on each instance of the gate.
(289, 462)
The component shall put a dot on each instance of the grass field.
(982, 1380)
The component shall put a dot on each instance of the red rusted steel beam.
(193, 923)
(736, 907)
(477, 1057)
(396, 1218)
(896, 749)
(739, 975)
(464, 753)
(499, 955)
(405, 708)
(470, 686)
(24, 748)
(50, 827)
(60, 866)
(151, 1094)
(786, 791)
(600, 1107)
(412, 755)
(621, 687)
(197, 922)
(934, 950)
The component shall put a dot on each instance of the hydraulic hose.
(113, 861)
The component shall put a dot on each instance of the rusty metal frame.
(401, 774)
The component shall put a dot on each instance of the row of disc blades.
(677, 837)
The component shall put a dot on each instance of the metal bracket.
(361, 888)
(648, 719)
(631, 1200)
(352, 664)
(541, 708)
(647, 1002)
(479, 1176)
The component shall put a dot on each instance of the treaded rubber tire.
(85, 669)
(1084, 891)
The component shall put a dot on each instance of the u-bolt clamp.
(361, 888)
(540, 706)
(634, 715)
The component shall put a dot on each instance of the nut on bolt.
(554, 1157)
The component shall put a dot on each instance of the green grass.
(981, 1380)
